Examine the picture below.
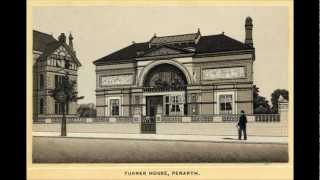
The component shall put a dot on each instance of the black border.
(306, 94)
(14, 87)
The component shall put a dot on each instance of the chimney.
(70, 41)
(248, 27)
(62, 38)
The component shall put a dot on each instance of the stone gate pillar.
(283, 109)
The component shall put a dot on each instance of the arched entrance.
(145, 71)
(166, 77)
(164, 90)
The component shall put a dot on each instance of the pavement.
(167, 137)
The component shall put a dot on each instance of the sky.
(101, 30)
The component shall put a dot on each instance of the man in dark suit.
(242, 125)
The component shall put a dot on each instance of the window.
(58, 108)
(67, 64)
(41, 81)
(225, 104)
(41, 106)
(57, 79)
(167, 104)
(175, 104)
(114, 104)
(137, 99)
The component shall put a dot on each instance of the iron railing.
(202, 118)
(265, 118)
(163, 89)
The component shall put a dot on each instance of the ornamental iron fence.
(261, 118)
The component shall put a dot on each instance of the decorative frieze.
(116, 80)
(223, 73)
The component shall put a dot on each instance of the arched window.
(41, 79)
(41, 106)
(165, 76)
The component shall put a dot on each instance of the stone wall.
(222, 129)
(126, 128)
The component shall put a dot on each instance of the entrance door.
(148, 123)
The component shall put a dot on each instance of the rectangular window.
(114, 105)
(225, 102)
(41, 83)
(137, 100)
(175, 103)
(57, 108)
(57, 79)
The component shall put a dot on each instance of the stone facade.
(218, 80)
(49, 66)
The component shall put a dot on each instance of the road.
(101, 150)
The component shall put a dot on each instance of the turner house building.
(178, 75)
(52, 58)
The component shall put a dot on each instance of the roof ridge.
(42, 32)
(215, 35)
(176, 35)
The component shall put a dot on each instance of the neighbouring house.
(52, 58)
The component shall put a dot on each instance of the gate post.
(283, 109)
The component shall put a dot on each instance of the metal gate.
(148, 125)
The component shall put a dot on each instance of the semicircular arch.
(152, 65)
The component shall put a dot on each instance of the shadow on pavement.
(230, 138)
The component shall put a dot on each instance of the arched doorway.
(164, 90)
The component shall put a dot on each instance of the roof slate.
(206, 44)
(219, 43)
(176, 38)
(40, 40)
(47, 44)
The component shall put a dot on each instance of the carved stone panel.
(116, 80)
(223, 73)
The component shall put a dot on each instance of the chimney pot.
(62, 37)
(70, 41)
(248, 28)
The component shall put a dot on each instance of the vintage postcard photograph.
(183, 84)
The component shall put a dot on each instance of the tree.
(275, 97)
(86, 110)
(260, 104)
(64, 93)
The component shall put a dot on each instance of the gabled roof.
(51, 47)
(47, 44)
(206, 44)
(40, 40)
